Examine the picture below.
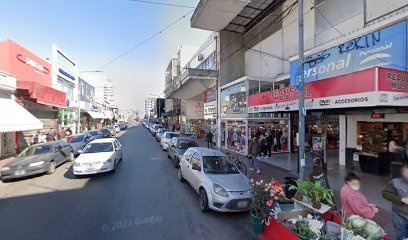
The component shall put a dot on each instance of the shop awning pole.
(301, 88)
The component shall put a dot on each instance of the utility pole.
(302, 110)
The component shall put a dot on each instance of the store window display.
(279, 129)
(236, 137)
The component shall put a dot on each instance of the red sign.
(358, 82)
(26, 66)
(392, 80)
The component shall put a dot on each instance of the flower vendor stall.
(307, 216)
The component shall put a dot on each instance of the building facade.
(193, 86)
(346, 42)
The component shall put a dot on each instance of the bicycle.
(240, 165)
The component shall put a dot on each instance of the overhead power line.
(163, 4)
(144, 41)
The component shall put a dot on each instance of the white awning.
(15, 118)
(96, 115)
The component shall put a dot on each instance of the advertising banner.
(233, 100)
(386, 47)
(358, 89)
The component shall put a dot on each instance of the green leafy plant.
(302, 229)
(302, 189)
(320, 192)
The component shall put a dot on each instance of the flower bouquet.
(265, 196)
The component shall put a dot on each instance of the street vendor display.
(308, 217)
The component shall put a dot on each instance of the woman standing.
(353, 201)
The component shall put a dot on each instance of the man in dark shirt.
(209, 138)
(253, 152)
(396, 191)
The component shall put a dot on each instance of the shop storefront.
(371, 109)
(33, 88)
(238, 125)
(14, 117)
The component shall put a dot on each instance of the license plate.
(90, 170)
(20, 172)
(242, 204)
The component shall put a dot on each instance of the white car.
(221, 186)
(166, 138)
(117, 128)
(100, 155)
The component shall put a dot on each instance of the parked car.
(117, 128)
(166, 138)
(38, 158)
(220, 185)
(155, 128)
(100, 155)
(112, 130)
(79, 141)
(190, 135)
(178, 146)
(96, 134)
(106, 133)
(122, 126)
(159, 133)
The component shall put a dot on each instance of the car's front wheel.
(51, 168)
(180, 175)
(203, 201)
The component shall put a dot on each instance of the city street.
(142, 200)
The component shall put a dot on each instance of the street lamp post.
(301, 88)
(79, 97)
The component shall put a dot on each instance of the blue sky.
(93, 32)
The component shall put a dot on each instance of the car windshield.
(157, 127)
(36, 150)
(75, 139)
(185, 144)
(172, 135)
(218, 164)
(98, 147)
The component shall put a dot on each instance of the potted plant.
(319, 193)
(302, 189)
(265, 195)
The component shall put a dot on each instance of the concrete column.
(342, 139)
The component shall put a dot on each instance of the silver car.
(221, 186)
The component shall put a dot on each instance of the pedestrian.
(353, 200)
(62, 133)
(269, 143)
(263, 145)
(36, 138)
(253, 152)
(396, 191)
(68, 132)
(209, 139)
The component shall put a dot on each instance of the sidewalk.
(372, 185)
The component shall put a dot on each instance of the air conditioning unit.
(200, 57)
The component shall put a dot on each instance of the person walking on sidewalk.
(262, 144)
(396, 191)
(209, 139)
(269, 143)
(353, 200)
(253, 152)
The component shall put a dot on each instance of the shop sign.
(38, 68)
(392, 80)
(66, 74)
(384, 48)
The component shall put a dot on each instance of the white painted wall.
(206, 49)
(345, 15)
(352, 125)
(281, 45)
(378, 8)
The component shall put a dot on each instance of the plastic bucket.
(257, 224)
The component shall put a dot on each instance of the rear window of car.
(185, 144)
(172, 135)
(93, 133)
(75, 139)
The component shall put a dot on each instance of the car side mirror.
(195, 167)
(79, 151)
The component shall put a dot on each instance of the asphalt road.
(142, 200)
